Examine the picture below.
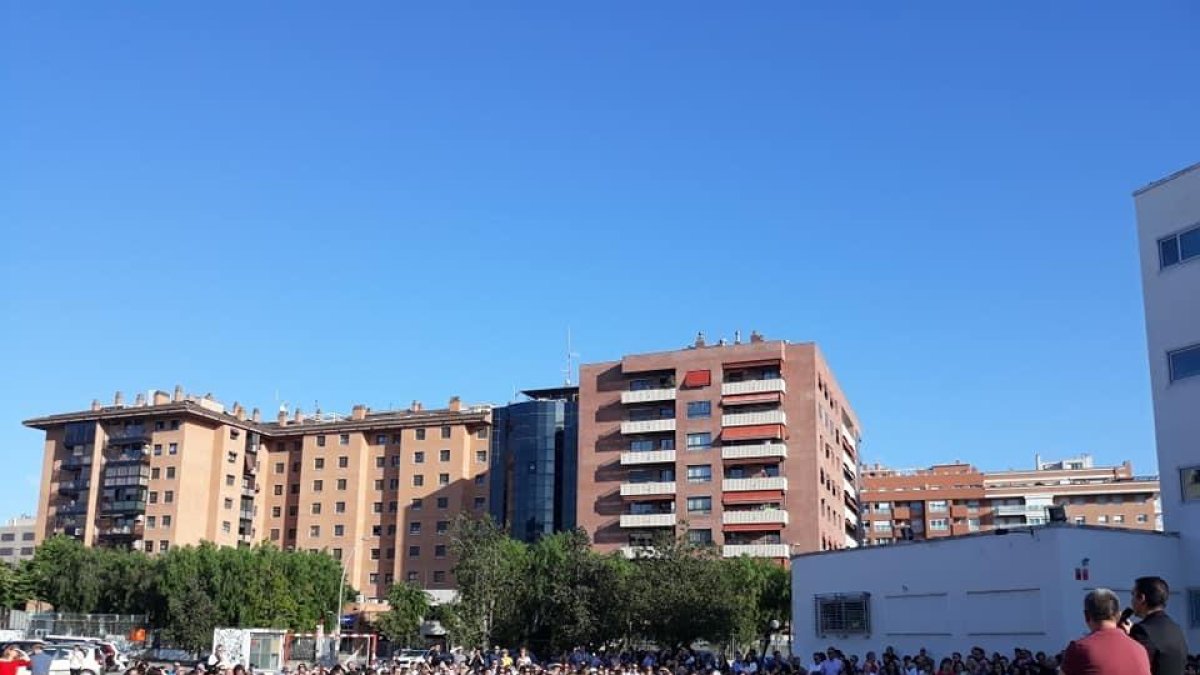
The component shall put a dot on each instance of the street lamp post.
(772, 628)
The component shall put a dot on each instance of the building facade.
(533, 463)
(953, 499)
(753, 446)
(17, 539)
(377, 490)
(1168, 218)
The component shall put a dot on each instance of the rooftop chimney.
(415, 407)
(119, 399)
(281, 419)
(161, 397)
(737, 337)
(755, 336)
(455, 404)
(238, 411)
(299, 417)
(358, 412)
(95, 404)
(700, 339)
(178, 397)
(139, 400)
(256, 415)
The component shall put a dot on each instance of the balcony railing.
(755, 550)
(754, 451)
(128, 434)
(1020, 510)
(643, 489)
(749, 484)
(648, 395)
(121, 531)
(762, 516)
(754, 387)
(648, 520)
(648, 457)
(134, 458)
(248, 491)
(247, 514)
(851, 516)
(124, 505)
(849, 489)
(77, 461)
(72, 509)
(754, 418)
(78, 485)
(647, 426)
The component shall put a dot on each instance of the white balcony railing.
(754, 450)
(748, 484)
(1020, 510)
(647, 426)
(849, 489)
(763, 516)
(851, 516)
(755, 550)
(637, 551)
(648, 457)
(850, 542)
(754, 387)
(850, 439)
(648, 520)
(643, 489)
(754, 418)
(648, 395)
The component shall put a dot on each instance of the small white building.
(1022, 587)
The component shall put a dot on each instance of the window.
(343, 462)
(1142, 518)
(339, 507)
(414, 551)
(291, 533)
(1119, 518)
(417, 503)
(444, 456)
(226, 527)
(344, 439)
(379, 462)
(278, 490)
(481, 456)
(376, 530)
(439, 551)
(377, 507)
(443, 526)
(295, 467)
(443, 479)
(314, 530)
(320, 441)
(439, 577)
(293, 510)
(157, 449)
(391, 530)
(843, 614)
(319, 463)
(641, 445)
(939, 524)
(700, 537)
(26, 536)
(1101, 519)
(374, 554)
(159, 425)
(883, 507)
(699, 441)
(166, 521)
(699, 473)
(1179, 247)
(937, 506)
(1184, 362)
(378, 483)
(414, 528)
(228, 504)
(380, 439)
(973, 524)
(480, 479)
(419, 457)
(418, 480)
(699, 504)
(341, 484)
(154, 473)
(318, 485)
(170, 472)
(1080, 520)
(445, 432)
(699, 409)
(395, 460)
(420, 434)
(169, 496)
(339, 530)
(882, 526)
(1189, 483)
(230, 479)
(150, 522)
(172, 448)
(276, 511)
(392, 507)
(443, 502)
(412, 577)
(478, 503)
(316, 508)
(174, 425)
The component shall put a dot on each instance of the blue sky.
(373, 203)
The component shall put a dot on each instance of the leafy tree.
(489, 569)
(408, 605)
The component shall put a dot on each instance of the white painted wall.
(1172, 302)
(993, 591)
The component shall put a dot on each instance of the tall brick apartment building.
(753, 445)
(376, 489)
(952, 499)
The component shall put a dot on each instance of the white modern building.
(1024, 586)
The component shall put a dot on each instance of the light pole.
(772, 628)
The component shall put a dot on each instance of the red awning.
(750, 433)
(747, 399)
(753, 527)
(697, 378)
(752, 497)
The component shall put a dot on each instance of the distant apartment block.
(954, 499)
(753, 445)
(17, 539)
(376, 489)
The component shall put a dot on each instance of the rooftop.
(1167, 179)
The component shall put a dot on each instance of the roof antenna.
(571, 356)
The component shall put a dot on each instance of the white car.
(93, 659)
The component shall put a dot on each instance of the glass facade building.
(533, 463)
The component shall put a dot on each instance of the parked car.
(407, 658)
(93, 658)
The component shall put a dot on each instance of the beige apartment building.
(954, 499)
(376, 489)
(17, 539)
(753, 445)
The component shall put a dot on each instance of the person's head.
(1100, 609)
(1149, 595)
(870, 656)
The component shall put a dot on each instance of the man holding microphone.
(1157, 632)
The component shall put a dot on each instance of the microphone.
(1125, 616)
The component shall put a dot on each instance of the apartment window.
(27, 536)
(699, 473)
(443, 502)
(391, 530)
(339, 507)
(1102, 499)
(230, 479)
(972, 505)
(1119, 518)
(150, 522)
(319, 463)
(276, 511)
(159, 425)
(226, 527)
(443, 526)
(973, 524)
(374, 554)
(1080, 520)
(316, 508)
(344, 439)
(439, 576)
(412, 577)
(478, 503)
(643, 444)
(939, 524)
(882, 526)
(699, 409)
(376, 530)
(699, 505)
(418, 480)
(174, 425)
(295, 467)
(419, 457)
(414, 551)
(275, 534)
(1078, 500)
(154, 473)
(336, 553)
(444, 456)
(378, 483)
(380, 439)
(1179, 247)
(169, 496)
(377, 507)
(1102, 519)
(343, 462)
(481, 456)
(293, 511)
(420, 433)
(157, 449)
(482, 433)
(1184, 363)
(318, 485)
(1142, 518)
(379, 462)
(700, 537)
(172, 448)
(314, 530)
(395, 460)
(439, 551)
(414, 528)
(166, 521)
(392, 507)
(339, 530)
(699, 441)
(883, 507)
(937, 506)
(443, 479)
(170, 472)
(445, 432)
(278, 490)
(417, 503)
(320, 441)
(291, 533)
(480, 479)
(341, 483)
(228, 504)
(843, 614)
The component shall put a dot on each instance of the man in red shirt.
(1107, 650)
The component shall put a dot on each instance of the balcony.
(849, 489)
(754, 418)
(754, 484)
(648, 395)
(77, 461)
(128, 435)
(74, 486)
(755, 550)
(1020, 510)
(249, 491)
(851, 515)
(849, 438)
(127, 459)
(756, 517)
(648, 520)
(123, 506)
(121, 531)
(646, 489)
(637, 551)
(247, 514)
(72, 509)
(754, 387)
(754, 451)
(648, 457)
(648, 427)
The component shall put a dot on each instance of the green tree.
(408, 605)
(489, 569)
(62, 573)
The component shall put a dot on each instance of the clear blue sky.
(353, 202)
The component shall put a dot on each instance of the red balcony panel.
(752, 497)
(756, 432)
(697, 378)
(747, 399)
